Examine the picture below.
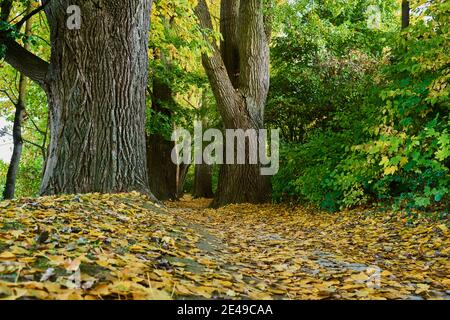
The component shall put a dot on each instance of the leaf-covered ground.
(124, 247)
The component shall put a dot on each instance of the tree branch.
(42, 132)
(215, 68)
(11, 99)
(24, 140)
(19, 24)
(254, 54)
(18, 57)
(24, 61)
(229, 20)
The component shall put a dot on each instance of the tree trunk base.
(162, 172)
(203, 181)
(241, 184)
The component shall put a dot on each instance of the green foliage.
(321, 59)
(34, 126)
(176, 44)
(411, 142)
(384, 136)
(28, 177)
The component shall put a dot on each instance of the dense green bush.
(388, 142)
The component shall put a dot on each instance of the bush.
(392, 148)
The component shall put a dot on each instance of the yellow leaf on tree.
(390, 170)
(403, 161)
(384, 161)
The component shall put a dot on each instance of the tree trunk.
(406, 11)
(405, 14)
(241, 103)
(96, 87)
(203, 173)
(162, 171)
(5, 9)
(13, 169)
(166, 178)
(20, 105)
(182, 172)
(229, 14)
(203, 181)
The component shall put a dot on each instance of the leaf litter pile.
(125, 247)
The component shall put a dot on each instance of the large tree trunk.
(240, 82)
(20, 105)
(96, 87)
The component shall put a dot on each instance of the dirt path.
(273, 256)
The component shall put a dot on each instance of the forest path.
(281, 252)
(123, 246)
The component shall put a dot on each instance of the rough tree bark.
(20, 106)
(96, 87)
(239, 77)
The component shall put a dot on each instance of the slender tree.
(238, 72)
(406, 10)
(20, 106)
(96, 87)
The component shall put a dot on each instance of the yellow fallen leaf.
(422, 288)
(446, 283)
(360, 277)
(231, 293)
(260, 296)
(362, 293)
(443, 228)
(16, 233)
(56, 260)
(180, 289)
(72, 265)
(7, 255)
(136, 248)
